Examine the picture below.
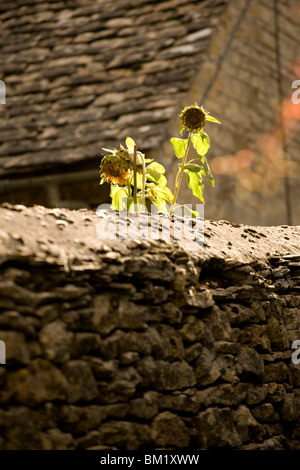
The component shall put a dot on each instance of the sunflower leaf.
(130, 144)
(179, 146)
(201, 143)
(194, 181)
(212, 119)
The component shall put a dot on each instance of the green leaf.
(164, 193)
(194, 214)
(194, 168)
(157, 167)
(207, 172)
(179, 146)
(181, 129)
(160, 204)
(139, 180)
(194, 181)
(156, 177)
(130, 144)
(201, 143)
(212, 119)
(118, 195)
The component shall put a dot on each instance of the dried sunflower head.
(117, 167)
(115, 170)
(193, 118)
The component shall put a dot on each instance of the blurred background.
(84, 74)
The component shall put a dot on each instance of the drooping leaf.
(157, 167)
(160, 204)
(207, 172)
(118, 197)
(201, 142)
(194, 181)
(139, 180)
(156, 177)
(193, 213)
(179, 146)
(164, 193)
(193, 167)
(212, 119)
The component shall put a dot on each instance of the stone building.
(82, 75)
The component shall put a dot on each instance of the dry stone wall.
(142, 344)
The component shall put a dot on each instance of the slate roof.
(83, 74)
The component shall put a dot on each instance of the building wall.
(246, 82)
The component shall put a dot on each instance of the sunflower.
(117, 167)
(114, 170)
(193, 118)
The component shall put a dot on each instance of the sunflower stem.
(134, 179)
(178, 181)
(143, 181)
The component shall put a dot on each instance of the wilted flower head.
(115, 170)
(117, 167)
(193, 118)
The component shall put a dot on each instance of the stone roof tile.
(80, 75)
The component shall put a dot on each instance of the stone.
(276, 392)
(202, 299)
(85, 343)
(172, 343)
(216, 429)
(15, 321)
(256, 393)
(17, 350)
(219, 324)
(129, 357)
(56, 341)
(255, 337)
(276, 372)
(171, 313)
(124, 434)
(81, 382)
(21, 427)
(79, 419)
(196, 330)
(102, 369)
(265, 413)
(37, 383)
(183, 402)
(290, 407)
(169, 431)
(122, 388)
(277, 334)
(172, 376)
(145, 407)
(250, 365)
(55, 439)
(223, 395)
(247, 427)
(206, 368)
